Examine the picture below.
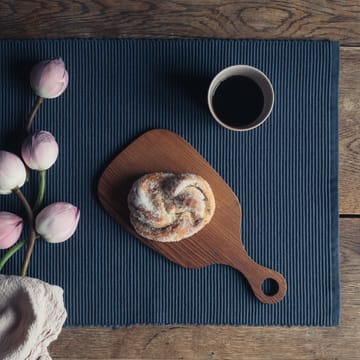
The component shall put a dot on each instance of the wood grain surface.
(349, 145)
(226, 342)
(277, 19)
(321, 19)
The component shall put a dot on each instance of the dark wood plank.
(225, 342)
(320, 19)
(350, 131)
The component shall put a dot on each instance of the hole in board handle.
(270, 287)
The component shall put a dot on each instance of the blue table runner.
(285, 174)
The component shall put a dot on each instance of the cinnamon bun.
(170, 207)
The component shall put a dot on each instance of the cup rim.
(215, 82)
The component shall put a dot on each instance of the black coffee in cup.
(238, 101)
(240, 97)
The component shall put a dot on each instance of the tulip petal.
(57, 222)
(49, 78)
(12, 172)
(10, 229)
(40, 151)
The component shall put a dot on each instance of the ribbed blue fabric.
(285, 174)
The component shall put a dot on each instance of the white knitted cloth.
(32, 314)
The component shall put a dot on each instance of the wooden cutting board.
(219, 242)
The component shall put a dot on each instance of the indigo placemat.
(285, 174)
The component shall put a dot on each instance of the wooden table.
(277, 19)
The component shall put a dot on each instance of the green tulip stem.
(34, 110)
(41, 192)
(10, 253)
(32, 237)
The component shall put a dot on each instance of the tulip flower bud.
(49, 78)
(10, 229)
(57, 222)
(40, 150)
(12, 172)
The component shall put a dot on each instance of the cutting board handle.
(256, 275)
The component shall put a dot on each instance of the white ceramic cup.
(259, 78)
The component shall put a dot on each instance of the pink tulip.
(10, 229)
(12, 172)
(40, 150)
(49, 78)
(57, 222)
